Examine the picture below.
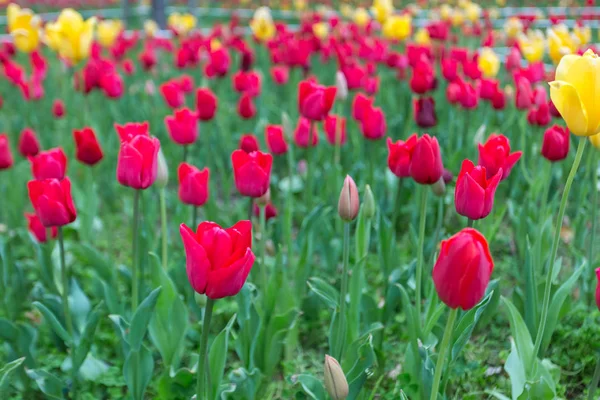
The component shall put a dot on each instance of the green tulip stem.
(341, 333)
(201, 388)
(263, 242)
(554, 251)
(439, 365)
(163, 227)
(420, 255)
(289, 212)
(470, 223)
(185, 153)
(194, 217)
(66, 309)
(397, 203)
(594, 220)
(134, 267)
(595, 380)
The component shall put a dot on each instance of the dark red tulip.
(137, 165)
(426, 165)
(359, 105)
(6, 157)
(218, 260)
(335, 129)
(246, 107)
(424, 112)
(474, 192)
(252, 172)
(249, 143)
(495, 154)
(172, 94)
(39, 231)
(306, 134)
(182, 126)
(373, 124)
(206, 104)
(400, 156)
(463, 269)
(193, 184)
(29, 144)
(275, 139)
(88, 150)
(52, 202)
(555, 146)
(58, 109)
(270, 211)
(314, 100)
(49, 164)
(280, 74)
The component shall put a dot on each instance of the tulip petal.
(569, 105)
(228, 281)
(197, 264)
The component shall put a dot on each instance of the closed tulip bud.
(335, 380)
(348, 203)
(280, 74)
(426, 165)
(439, 188)
(88, 150)
(137, 164)
(162, 174)
(206, 104)
(306, 134)
(182, 126)
(424, 112)
(251, 172)
(275, 138)
(335, 129)
(341, 86)
(51, 199)
(463, 269)
(474, 193)
(6, 157)
(598, 288)
(314, 100)
(58, 109)
(172, 94)
(369, 203)
(555, 146)
(193, 184)
(50, 164)
(249, 143)
(246, 107)
(29, 144)
(373, 124)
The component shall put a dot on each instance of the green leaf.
(464, 329)
(49, 384)
(521, 336)
(141, 319)
(250, 327)
(364, 359)
(87, 337)
(80, 306)
(89, 256)
(516, 371)
(217, 358)
(55, 324)
(278, 326)
(324, 291)
(6, 373)
(246, 383)
(122, 329)
(312, 386)
(137, 371)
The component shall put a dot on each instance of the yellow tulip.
(382, 9)
(473, 12)
(560, 43)
(574, 93)
(583, 33)
(262, 24)
(24, 26)
(397, 27)
(300, 5)
(346, 11)
(445, 12)
(108, 30)
(422, 37)
(361, 17)
(488, 62)
(533, 45)
(70, 35)
(595, 140)
(150, 28)
(182, 24)
(513, 27)
(215, 44)
(458, 18)
(321, 30)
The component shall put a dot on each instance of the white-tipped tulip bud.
(349, 203)
(335, 380)
(342, 86)
(162, 174)
(439, 188)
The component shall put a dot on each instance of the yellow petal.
(583, 75)
(567, 102)
(595, 140)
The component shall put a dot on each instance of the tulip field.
(300, 200)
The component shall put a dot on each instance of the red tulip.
(128, 67)
(463, 269)
(449, 69)
(147, 58)
(131, 129)
(454, 92)
(355, 75)
(206, 104)
(52, 202)
(58, 109)
(468, 96)
(39, 231)
(314, 100)
(359, 105)
(186, 83)
(513, 59)
(251, 172)
(499, 100)
(426, 165)
(50, 164)
(218, 260)
(553, 111)
(193, 184)
(249, 143)
(112, 85)
(218, 64)
(422, 78)
(488, 88)
(474, 193)
(6, 157)
(524, 94)
(280, 74)
(137, 165)
(555, 146)
(246, 107)
(182, 126)
(88, 149)
(400, 156)
(373, 125)
(335, 129)
(424, 112)
(495, 155)
(275, 139)
(371, 85)
(172, 94)
(306, 134)
(29, 144)
(247, 82)
(270, 211)
(539, 115)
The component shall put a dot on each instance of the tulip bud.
(288, 129)
(439, 188)
(162, 175)
(342, 85)
(369, 203)
(335, 380)
(348, 203)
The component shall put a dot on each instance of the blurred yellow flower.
(150, 28)
(595, 140)
(574, 92)
(561, 42)
(583, 33)
(458, 18)
(422, 37)
(321, 30)
(300, 5)
(501, 3)
(397, 27)
(108, 30)
(494, 13)
(361, 17)
(346, 10)
(215, 44)
(382, 9)
(70, 35)
(513, 27)
(182, 24)
(24, 26)
(262, 24)
(488, 62)
(445, 12)
(473, 12)
(533, 45)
